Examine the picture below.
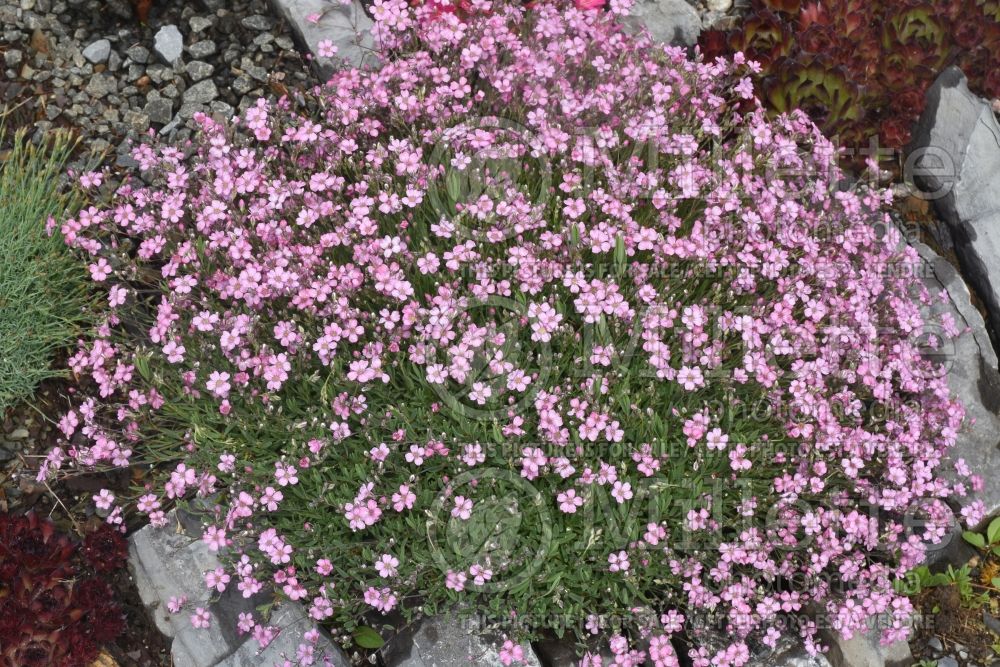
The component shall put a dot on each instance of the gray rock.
(242, 85)
(199, 23)
(114, 62)
(258, 22)
(670, 21)
(971, 364)
(719, 5)
(13, 57)
(221, 108)
(136, 120)
(101, 85)
(202, 49)
(789, 652)
(202, 92)
(450, 641)
(189, 109)
(138, 54)
(159, 73)
(171, 126)
(347, 26)
(198, 70)
(293, 623)
(955, 159)
(255, 72)
(168, 44)
(98, 52)
(159, 110)
(865, 650)
(167, 562)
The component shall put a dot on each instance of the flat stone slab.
(451, 641)
(171, 562)
(346, 26)
(669, 21)
(971, 364)
(865, 650)
(955, 159)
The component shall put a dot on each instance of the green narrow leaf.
(619, 255)
(995, 581)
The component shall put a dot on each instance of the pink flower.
(104, 500)
(511, 653)
(217, 579)
(100, 270)
(201, 618)
(326, 49)
(218, 383)
(403, 499)
(285, 474)
(569, 501)
(386, 565)
(621, 492)
(455, 580)
(618, 562)
(215, 538)
(463, 508)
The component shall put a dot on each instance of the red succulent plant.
(860, 68)
(50, 615)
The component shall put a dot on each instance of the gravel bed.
(93, 66)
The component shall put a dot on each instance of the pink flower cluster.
(532, 244)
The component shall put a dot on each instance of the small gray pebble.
(198, 70)
(202, 92)
(159, 110)
(199, 23)
(135, 72)
(203, 49)
(136, 120)
(138, 54)
(159, 73)
(13, 57)
(222, 108)
(242, 85)
(98, 52)
(169, 44)
(258, 22)
(101, 85)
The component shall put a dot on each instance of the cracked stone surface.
(169, 561)
(450, 641)
(955, 155)
(971, 364)
(346, 26)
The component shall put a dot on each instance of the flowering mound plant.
(50, 615)
(535, 321)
